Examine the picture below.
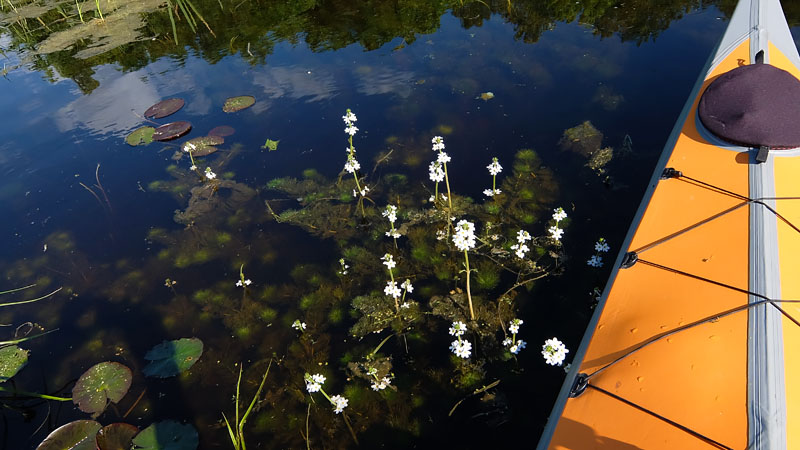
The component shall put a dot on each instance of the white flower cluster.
(492, 192)
(392, 289)
(193, 167)
(352, 164)
(299, 326)
(554, 352)
(461, 348)
(406, 285)
(363, 191)
(246, 283)
(514, 345)
(314, 382)
(464, 237)
(388, 261)
(344, 265)
(558, 215)
(382, 384)
(494, 167)
(513, 326)
(209, 174)
(349, 122)
(443, 158)
(520, 248)
(441, 235)
(438, 143)
(339, 403)
(436, 172)
(458, 328)
(390, 212)
(601, 246)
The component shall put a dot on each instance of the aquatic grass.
(189, 13)
(237, 433)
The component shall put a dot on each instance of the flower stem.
(447, 182)
(469, 294)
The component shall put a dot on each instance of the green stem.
(22, 302)
(33, 394)
(372, 355)
(447, 182)
(469, 294)
(17, 289)
(17, 341)
(192, 158)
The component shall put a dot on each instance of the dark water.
(410, 70)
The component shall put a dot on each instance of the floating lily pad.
(234, 104)
(12, 360)
(117, 436)
(170, 358)
(171, 131)
(164, 108)
(203, 146)
(140, 136)
(167, 435)
(222, 131)
(271, 145)
(77, 435)
(103, 382)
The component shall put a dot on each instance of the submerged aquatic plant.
(236, 432)
(459, 347)
(391, 214)
(441, 165)
(352, 165)
(464, 240)
(494, 168)
(314, 384)
(514, 345)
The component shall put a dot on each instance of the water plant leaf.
(103, 382)
(164, 108)
(117, 436)
(234, 104)
(222, 131)
(171, 130)
(77, 435)
(140, 136)
(12, 360)
(271, 145)
(203, 146)
(170, 358)
(167, 435)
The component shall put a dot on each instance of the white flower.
(461, 348)
(388, 261)
(507, 342)
(559, 214)
(517, 347)
(443, 158)
(383, 384)
(407, 286)
(406, 305)
(438, 143)
(392, 289)
(189, 147)
(464, 237)
(339, 403)
(351, 130)
(349, 118)
(193, 167)
(458, 328)
(209, 174)
(435, 172)
(441, 235)
(595, 261)
(246, 283)
(393, 234)
(601, 245)
(523, 236)
(494, 167)
(390, 212)
(521, 250)
(351, 165)
(554, 352)
(488, 192)
(363, 191)
(314, 382)
(299, 326)
(513, 326)
(555, 232)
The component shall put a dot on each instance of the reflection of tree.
(252, 28)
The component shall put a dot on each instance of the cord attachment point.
(579, 385)
(763, 154)
(629, 260)
(670, 172)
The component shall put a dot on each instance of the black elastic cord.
(684, 428)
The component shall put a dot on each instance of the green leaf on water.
(167, 435)
(12, 360)
(140, 136)
(77, 435)
(234, 104)
(170, 358)
(271, 145)
(102, 383)
(117, 436)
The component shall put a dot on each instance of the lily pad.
(222, 131)
(167, 435)
(171, 130)
(170, 358)
(12, 360)
(234, 104)
(103, 382)
(117, 436)
(140, 136)
(203, 146)
(164, 108)
(271, 145)
(77, 435)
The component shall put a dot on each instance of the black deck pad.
(753, 105)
